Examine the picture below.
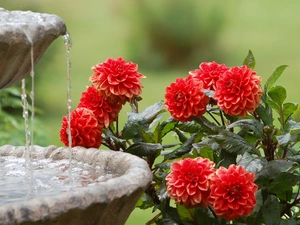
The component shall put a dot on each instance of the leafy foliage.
(11, 121)
(258, 142)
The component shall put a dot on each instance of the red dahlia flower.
(117, 78)
(105, 111)
(185, 98)
(209, 73)
(233, 192)
(85, 129)
(188, 181)
(238, 91)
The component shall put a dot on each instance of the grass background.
(100, 29)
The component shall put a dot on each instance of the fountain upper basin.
(19, 30)
(109, 202)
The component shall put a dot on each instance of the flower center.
(191, 177)
(234, 191)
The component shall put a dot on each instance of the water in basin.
(49, 178)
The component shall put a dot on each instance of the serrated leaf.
(251, 124)
(144, 149)
(271, 170)
(181, 136)
(251, 164)
(184, 149)
(206, 142)
(274, 77)
(232, 142)
(189, 127)
(141, 121)
(271, 211)
(249, 61)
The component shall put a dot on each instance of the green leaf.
(207, 152)
(251, 124)
(184, 149)
(156, 136)
(168, 126)
(288, 109)
(186, 215)
(277, 96)
(251, 164)
(274, 77)
(205, 125)
(265, 113)
(295, 158)
(283, 182)
(271, 211)
(284, 140)
(249, 61)
(164, 165)
(265, 176)
(296, 114)
(204, 216)
(293, 133)
(144, 202)
(226, 159)
(147, 137)
(181, 136)
(141, 121)
(170, 214)
(292, 125)
(144, 149)
(232, 142)
(289, 221)
(189, 127)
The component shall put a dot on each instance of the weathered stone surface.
(107, 203)
(18, 31)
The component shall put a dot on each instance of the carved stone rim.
(133, 175)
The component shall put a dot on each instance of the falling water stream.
(28, 129)
(68, 44)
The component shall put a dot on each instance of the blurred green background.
(167, 39)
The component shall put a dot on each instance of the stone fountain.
(107, 203)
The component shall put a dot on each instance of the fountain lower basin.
(109, 202)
